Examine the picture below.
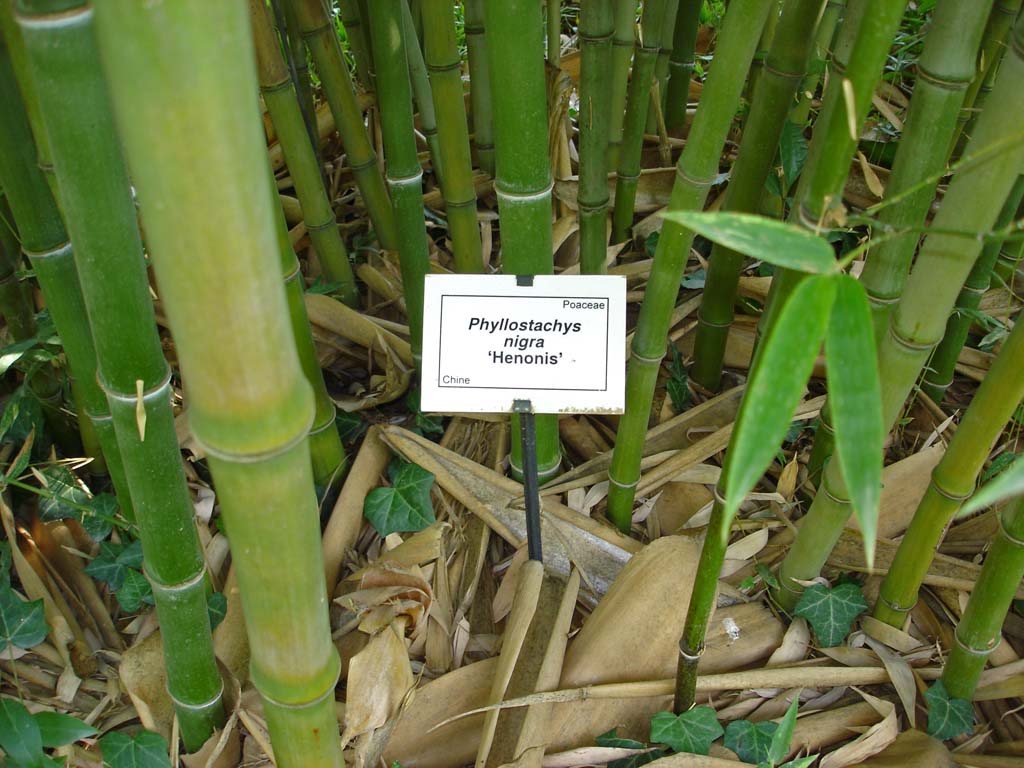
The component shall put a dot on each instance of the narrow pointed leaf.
(785, 245)
(19, 733)
(783, 735)
(855, 396)
(1007, 484)
(59, 730)
(776, 386)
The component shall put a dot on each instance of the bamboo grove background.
(231, 533)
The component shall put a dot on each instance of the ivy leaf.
(19, 733)
(22, 624)
(750, 741)
(67, 500)
(693, 731)
(792, 152)
(143, 750)
(1009, 483)
(947, 717)
(855, 395)
(612, 739)
(695, 279)
(135, 591)
(59, 730)
(831, 611)
(642, 758)
(779, 243)
(775, 387)
(766, 575)
(403, 507)
(22, 413)
(114, 561)
(217, 608)
(99, 520)
(783, 735)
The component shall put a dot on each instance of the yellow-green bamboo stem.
(823, 37)
(422, 93)
(183, 81)
(358, 41)
(623, 42)
(479, 85)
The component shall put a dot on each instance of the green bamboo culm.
(325, 448)
(661, 67)
(358, 42)
(938, 374)
(993, 47)
(980, 628)
(101, 217)
(15, 298)
(953, 479)
(773, 97)
(282, 102)
(681, 63)
(695, 173)
(292, 34)
(823, 37)
(421, 90)
(623, 41)
(442, 57)
(916, 325)
(480, 85)
(183, 79)
(638, 96)
(596, 28)
(763, 46)
(322, 40)
(523, 168)
(404, 174)
(944, 72)
(553, 16)
(45, 242)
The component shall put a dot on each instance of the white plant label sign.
(559, 343)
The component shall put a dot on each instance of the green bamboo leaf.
(800, 762)
(143, 750)
(779, 243)
(693, 731)
(612, 739)
(776, 386)
(1007, 484)
(855, 395)
(750, 741)
(792, 152)
(403, 507)
(947, 717)
(57, 730)
(19, 734)
(782, 737)
(22, 623)
(831, 612)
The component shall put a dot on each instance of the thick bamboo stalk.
(596, 29)
(938, 374)
(322, 40)
(183, 78)
(553, 18)
(45, 243)
(15, 299)
(421, 90)
(325, 448)
(824, 34)
(479, 85)
(300, 56)
(523, 173)
(623, 42)
(358, 42)
(773, 96)
(980, 628)
(681, 63)
(405, 177)
(442, 57)
(953, 479)
(282, 102)
(695, 172)
(101, 217)
(945, 70)
(638, 96)
(661, 66)
(971, 205)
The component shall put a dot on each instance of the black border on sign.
(607, 331)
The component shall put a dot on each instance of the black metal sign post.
(531, 489)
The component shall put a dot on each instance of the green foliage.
(350, 425)
(135, 592)
(610, 739)
(23, 736)
(831, 611)
(22, 415)
(422, 423)
(792, 152)
(750, 741)
(676, 386)
(41, 348)
(998, 464)
(694, 280)
(406, 505)
(947, 717)
(855, 396)
(119, 566)
(783, 735)
(217, 607)
(143, 750)
(693, 731)
(1009, 483)
(761, 238)
(22, 623)
(67, 498)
